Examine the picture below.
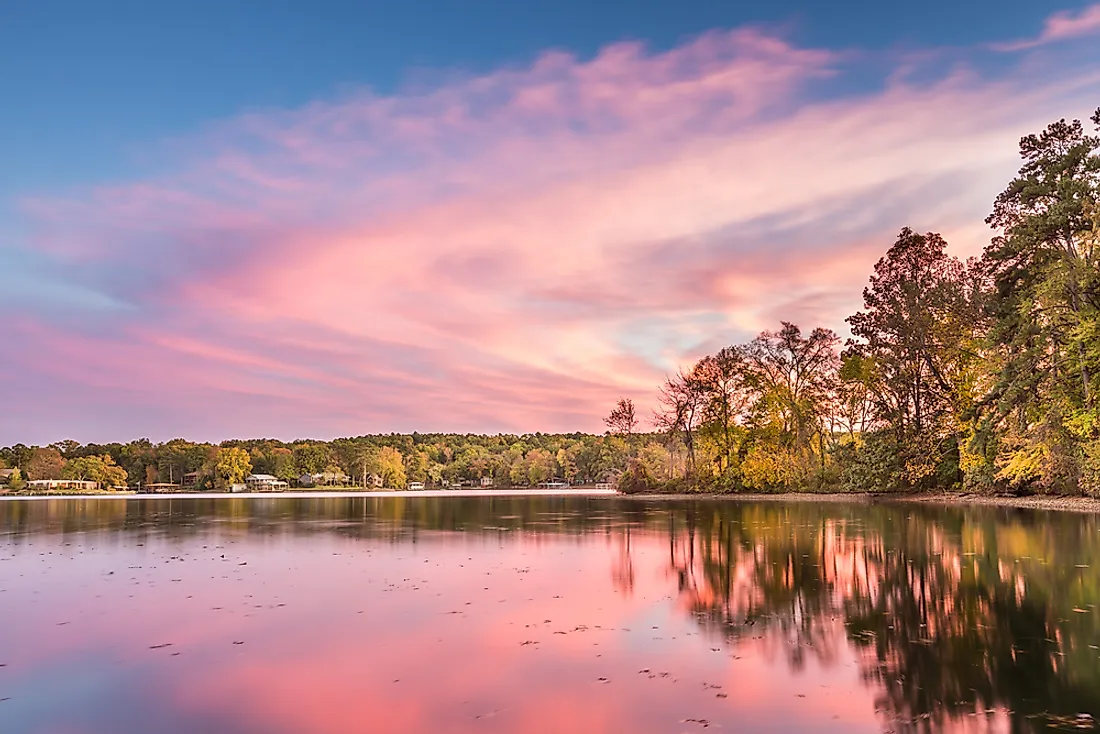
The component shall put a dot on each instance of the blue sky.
(92, 86)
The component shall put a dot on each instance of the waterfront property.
(78, 485)
(264, 483)
(324, 479)
(161, 487)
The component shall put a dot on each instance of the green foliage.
(636, 479)
(99, 469)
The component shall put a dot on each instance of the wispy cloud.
(509, 251)
(1061, 26)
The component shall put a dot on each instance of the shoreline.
(319, 494)
(1036, 502)
(962, 499)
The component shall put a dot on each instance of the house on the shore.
(416, 486)
(264, 483)
(6, 475)
(323, 479)
(161, 487)
(486, 482)
(77, 484)
(190, 480)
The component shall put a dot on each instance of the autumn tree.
(1044, 269)
(794, 377)
(723, 382)
(99, 469)
(909, 351)
(622, 419)
(391, 467)
(231, 466)
(681, 401)
(44, 463)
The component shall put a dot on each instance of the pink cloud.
(510, 251)
(1061, 26)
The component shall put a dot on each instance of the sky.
(287, 219)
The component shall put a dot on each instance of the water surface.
(543, 614)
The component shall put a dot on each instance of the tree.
(622, 420)
(282, 464)
(312, 458)
(681, 400)
(1044, 272)
(794, 377)
(44, 464)
(540, 466)
(726, 394)
(391, 468)
(68, 448)
(178, 457)
(99, 469)
(909, 347)
(566, 461)
(231, 467)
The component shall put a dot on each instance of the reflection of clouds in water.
(538, 614)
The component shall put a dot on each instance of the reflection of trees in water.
(622, 571)
(952, 612)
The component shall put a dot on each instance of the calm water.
(543, 615)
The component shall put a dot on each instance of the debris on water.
(701, 722)
(238, 642)
(161, 646)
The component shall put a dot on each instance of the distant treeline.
(981, 375)
(381, 460)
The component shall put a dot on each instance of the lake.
(543, 614)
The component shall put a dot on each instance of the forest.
(392, 460)
(980, 375)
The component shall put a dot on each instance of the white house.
(264, 483)
(62, 484)
(416, 485)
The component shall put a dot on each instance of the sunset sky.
(291, 219)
